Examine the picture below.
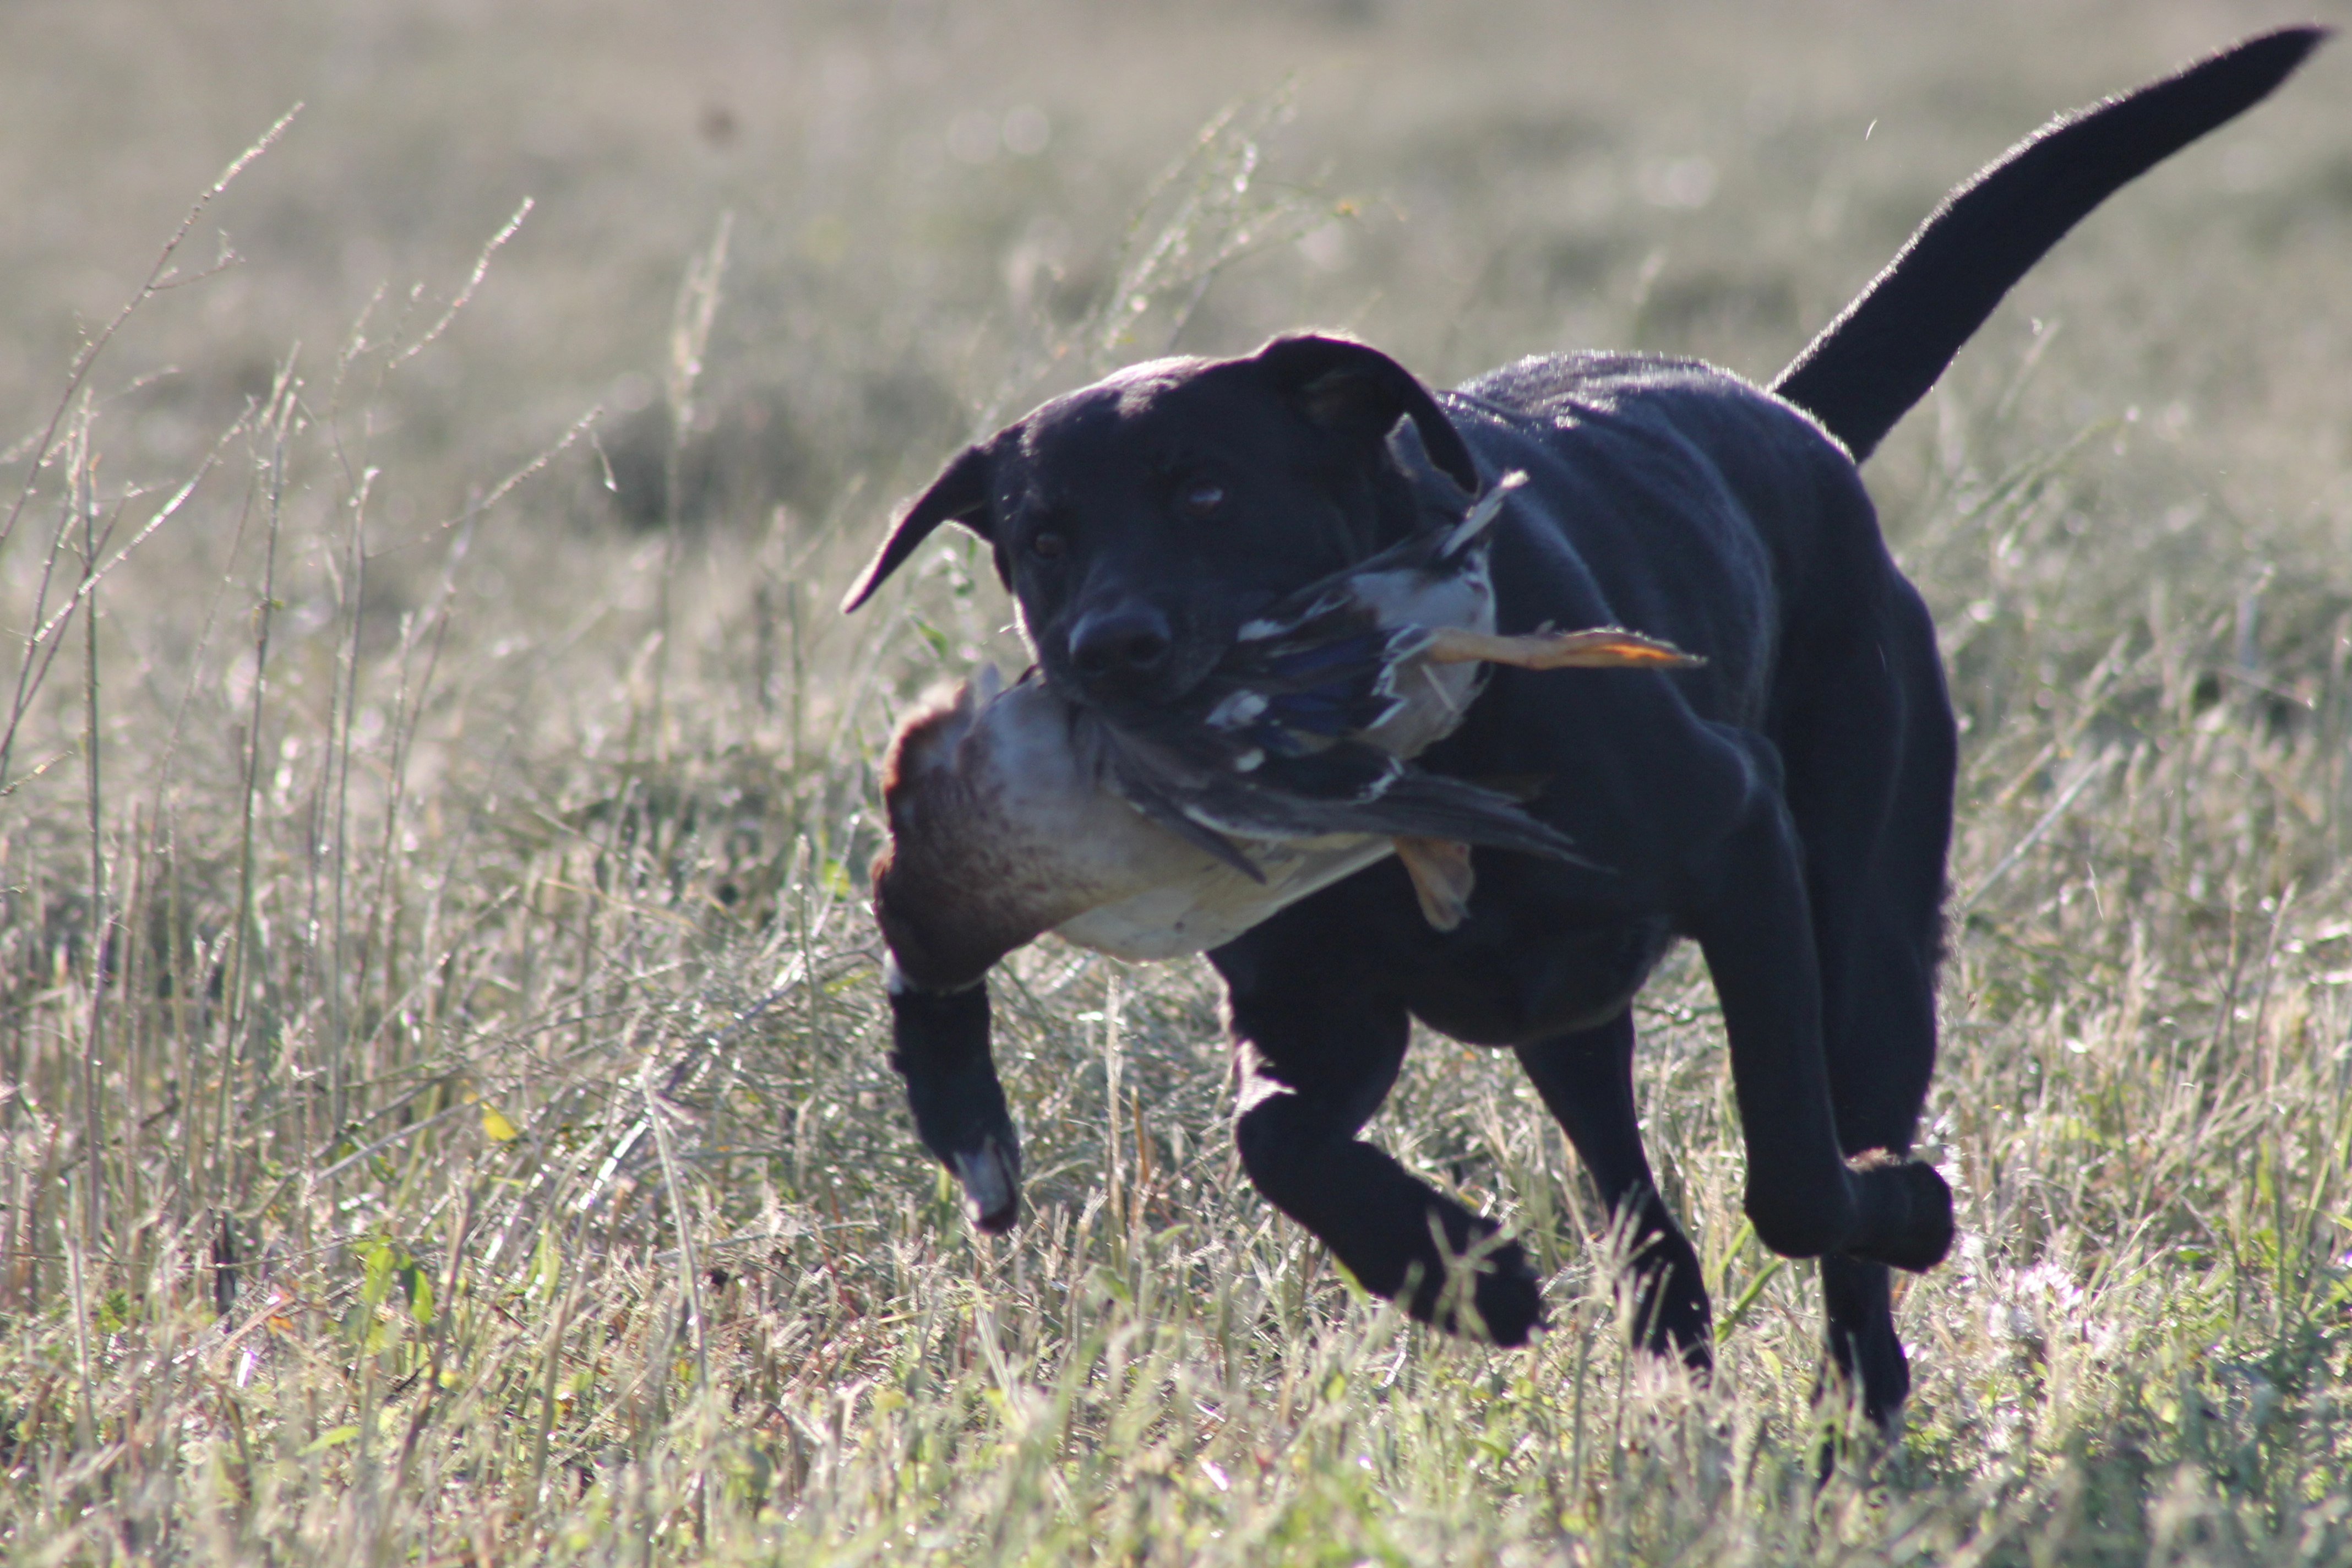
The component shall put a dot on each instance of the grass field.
(442, 1108)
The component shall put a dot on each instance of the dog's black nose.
(1120, 648)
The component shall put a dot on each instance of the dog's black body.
(1788, 807)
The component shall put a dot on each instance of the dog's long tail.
(1877, 359)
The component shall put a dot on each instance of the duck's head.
(1139, 522)
(939, 938)
(1000, 830)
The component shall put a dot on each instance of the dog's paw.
(1489, 1292)
(1509, 1299)
(1907, 1213)
(991, 1178)
(1670, 1316)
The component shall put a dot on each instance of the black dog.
(1788, 807)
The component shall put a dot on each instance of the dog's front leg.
(1586, 1078)
(1315, 1054)
(938, 1042)
(1804, 1197)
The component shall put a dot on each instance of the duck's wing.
(1320, 665)
(1183, 779)
(1296, 686)
(1352, 787)
(1153, 794)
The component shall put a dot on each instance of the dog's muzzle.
(1123, 651)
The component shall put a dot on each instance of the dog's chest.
(1506, 979)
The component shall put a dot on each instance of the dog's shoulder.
(1541, 381)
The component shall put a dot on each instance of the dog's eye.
(1204, 498)
(1048, 545)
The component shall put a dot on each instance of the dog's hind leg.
(1586, 1079)
(1870, 754)
(1316, 1051)
(1880, 1044)
(1867, 1357)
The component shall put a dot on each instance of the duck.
(1013, 811)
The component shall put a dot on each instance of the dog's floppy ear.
(959, 495)
(1351, 388)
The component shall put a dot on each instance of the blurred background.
(929, 197)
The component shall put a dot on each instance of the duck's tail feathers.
(1420, 805)
(1878, 358)
(1355, 788)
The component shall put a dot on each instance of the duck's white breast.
(1215, 903)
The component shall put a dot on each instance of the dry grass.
(440, 1087)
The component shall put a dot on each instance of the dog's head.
(1138, 522)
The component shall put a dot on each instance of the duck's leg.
(1603, 647)
(1317, 1047)
(1586, 1079)
(1442, 879)
(938, 1042)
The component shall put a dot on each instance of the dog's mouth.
(1128, 663)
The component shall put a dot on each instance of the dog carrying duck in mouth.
(1172, 830)
(1302, 702)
